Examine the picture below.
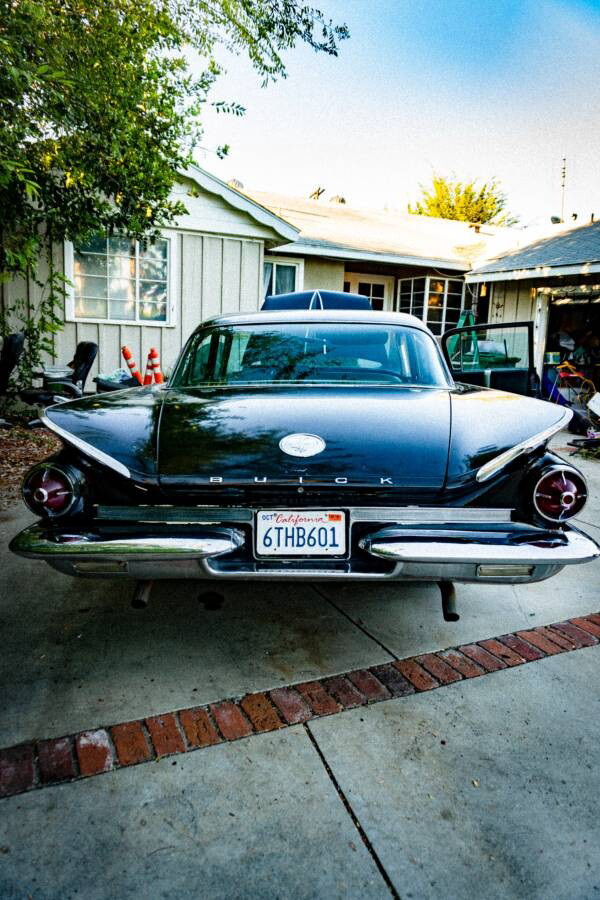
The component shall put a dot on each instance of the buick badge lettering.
(302, 444)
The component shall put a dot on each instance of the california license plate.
(301, 532)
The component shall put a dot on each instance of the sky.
(474, 88)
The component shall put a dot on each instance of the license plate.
(299, 532)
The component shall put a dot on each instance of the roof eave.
(478, 276)
(214, 185)
(340, 252)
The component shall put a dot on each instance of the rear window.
(327, 353)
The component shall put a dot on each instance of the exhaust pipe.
(141, 594)
(448, 601)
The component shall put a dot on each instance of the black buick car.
(313, 444)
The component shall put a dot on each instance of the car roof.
(342, 316)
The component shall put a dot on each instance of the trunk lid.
(232, 436)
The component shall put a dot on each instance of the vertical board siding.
(212, 277)
(232, 266)
(251, 276)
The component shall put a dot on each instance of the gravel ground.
(21, 448)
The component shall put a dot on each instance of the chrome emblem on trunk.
(302, 444)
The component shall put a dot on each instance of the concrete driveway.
(302, 783)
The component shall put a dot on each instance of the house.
(210, 261)
(402, 262)
(553, 282)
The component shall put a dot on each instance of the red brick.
(490, 663)
(16, 769)
(393, 680)
(165, 735)
(320, 701)
(462, 664)
(580, 637)
(130, 743)
(368, 685)
(439, 668)
(344, 692)
(588, 626)
(595, 618)
(230, 720)
(521, 647)
(94, 752)
(261, 713)
(540, 641)
(556, 637)
(291, 705)
(506, 654)
(55, 760)
(199, 730)
(417, 676)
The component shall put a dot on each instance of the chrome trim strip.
(398, 515)
(86, 448)
(282, 574)
(434, 515)
(496, 464)
(37, 542)
(578, 549)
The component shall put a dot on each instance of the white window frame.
(171, 320)
(428, 280)
(285, 261)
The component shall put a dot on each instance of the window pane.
(377, 290)
(347, 287)
(455, 287)
(87, 308)
(85, 264)
(121, 267)
(364, 288)
(417, 309)
(153, 291)
(285, 279)
(153, 311)
(122, 309)
(452, 316)
(96, 244)
(436, 300)
(156, 252)
(437, 286)
(90, 286)
(434, 315)
(419, 284)
(121, 246)
(153, 268)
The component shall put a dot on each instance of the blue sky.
(479, 88)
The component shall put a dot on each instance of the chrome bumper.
(431, 554)
(569, 547)
(39, 542)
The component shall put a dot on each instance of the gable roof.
(572, 252)
(213, 185)
(336, 230)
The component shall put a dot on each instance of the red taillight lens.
(51, 490)
(560, 494)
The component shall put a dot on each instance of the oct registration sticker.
(300, 532)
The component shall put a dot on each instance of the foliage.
(449, 198)
(99, 110)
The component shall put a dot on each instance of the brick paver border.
(42, 763)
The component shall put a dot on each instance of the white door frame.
(386, 280)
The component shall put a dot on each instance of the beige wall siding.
(323, 273)
(512, 301)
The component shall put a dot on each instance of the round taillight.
(50, 489)
(560, 494)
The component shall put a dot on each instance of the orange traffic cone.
(158, 375)
(149, 370)
(128, 357)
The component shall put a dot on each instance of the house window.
(117, 280)
(437, 301)
(281, 276)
